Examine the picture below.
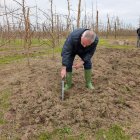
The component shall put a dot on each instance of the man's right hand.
(63, 72)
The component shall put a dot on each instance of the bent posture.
(81, 42)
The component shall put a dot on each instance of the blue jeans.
(87, 63)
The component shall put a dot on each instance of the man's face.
(85, 42)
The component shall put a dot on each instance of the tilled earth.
(35, 104)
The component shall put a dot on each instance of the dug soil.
(35, 104)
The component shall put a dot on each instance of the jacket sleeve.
(67, 52)
(91, 52)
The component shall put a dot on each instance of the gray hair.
(90, 35)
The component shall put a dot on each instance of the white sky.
(127, 10)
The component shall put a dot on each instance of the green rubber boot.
(88, 79)
(68, 84)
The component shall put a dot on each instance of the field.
(30, 105)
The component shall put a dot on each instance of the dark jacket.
(138, 31)
(72, 47)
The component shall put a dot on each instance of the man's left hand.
(78, 65)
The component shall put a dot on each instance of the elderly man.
(81, 42)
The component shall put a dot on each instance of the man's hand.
(63, 72)
(78, 65)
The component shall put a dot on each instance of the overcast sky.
(127, 10)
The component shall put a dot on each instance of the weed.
(9, 59)
(45, 136)
(4, 104)
(60, 134)
(119, 47)
(103, 42)
(113, 133)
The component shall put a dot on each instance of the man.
(81, 42)
(138, 37)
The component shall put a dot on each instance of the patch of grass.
(10, 49)
(4, 103)
(119, 47)
(19, 42)
(13, 42)
(37, 42)
(4, 98)
(113, 133)
(60, 134)
(9, 59)
(1, 119)
(16, 42)
(103, 42)
(45, 136)
(120, 101)
(125, 89)
(56, 50)
(34, 42)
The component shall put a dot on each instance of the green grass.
(119, 47)
(105, 43)
(4, 104)
(19, 42)
(45, 49)
(34, 42)
(7, 49)
(60, 134)
(113, 133)
(9, 59)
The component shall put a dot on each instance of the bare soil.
(35, 104)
